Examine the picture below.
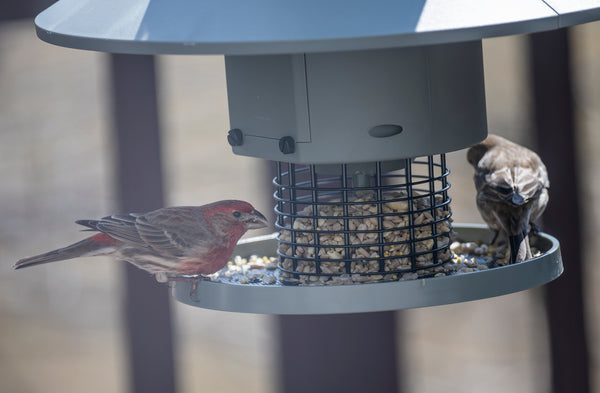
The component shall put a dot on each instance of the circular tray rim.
(333, 299)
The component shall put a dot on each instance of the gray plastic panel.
(264, 26)
(278, 299)
(269, 93)
(330, 102)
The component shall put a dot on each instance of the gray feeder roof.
(285, 26)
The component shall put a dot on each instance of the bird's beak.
(256, 220)
(517, 199)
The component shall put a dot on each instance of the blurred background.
(61, 325)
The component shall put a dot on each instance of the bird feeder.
(357, 102)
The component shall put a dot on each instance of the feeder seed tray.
(330, 299)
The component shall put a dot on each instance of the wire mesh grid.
(348, 222)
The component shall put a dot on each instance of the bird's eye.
(236, 214)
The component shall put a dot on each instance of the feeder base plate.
(384, 296)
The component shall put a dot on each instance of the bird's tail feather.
(520, 250)
(91, 224)
(90, 246)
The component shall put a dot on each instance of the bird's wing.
(170, 232)
(121, 227)
(176, 231)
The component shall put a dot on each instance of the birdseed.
(403, 223)
(467, 257)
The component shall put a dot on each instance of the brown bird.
(512, 190)
(168, 242)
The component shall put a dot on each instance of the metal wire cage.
(362, 222)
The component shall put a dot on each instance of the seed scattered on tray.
(252, 270)
(467, 257)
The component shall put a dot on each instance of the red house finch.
(167, 242)
(512, 190)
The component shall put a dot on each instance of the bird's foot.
(188, 277)
(193, 278)
(496, 233)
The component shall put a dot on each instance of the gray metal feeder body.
(336, 86)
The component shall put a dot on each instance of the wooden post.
(554, 117)
(147, 309)
(338, 353)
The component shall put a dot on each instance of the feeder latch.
(235, 137)
(287, 145)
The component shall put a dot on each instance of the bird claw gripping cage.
(362, 222)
